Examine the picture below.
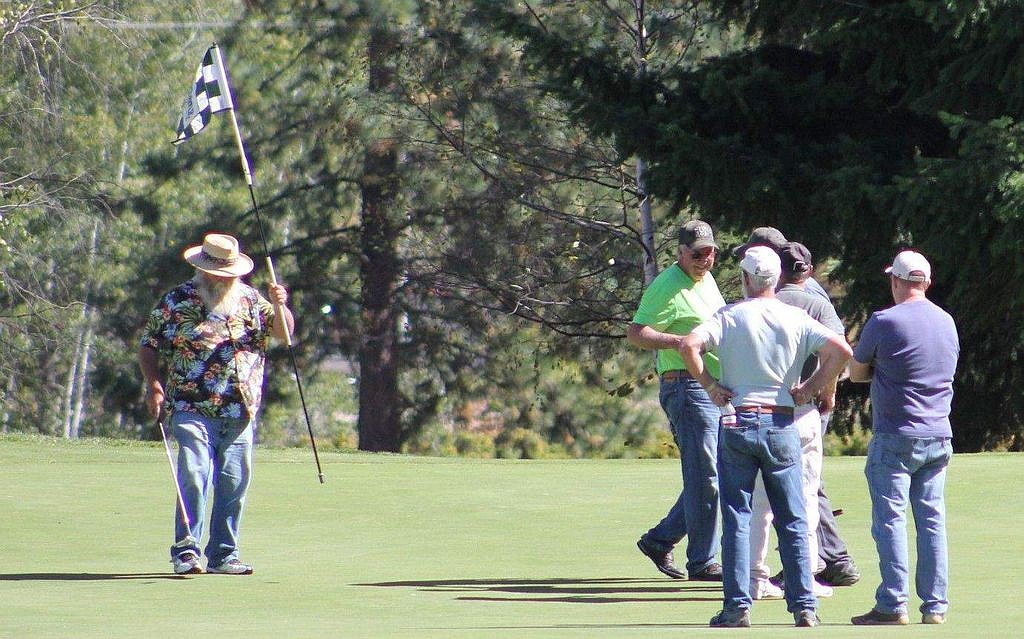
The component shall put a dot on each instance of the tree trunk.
(646, 224)
(78, 375)
(646, 221)
(82, 374)
(379, 400)
(69, 386)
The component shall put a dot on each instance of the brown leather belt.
(675, 376)
(781, 410)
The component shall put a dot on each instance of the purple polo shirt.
(913, 348)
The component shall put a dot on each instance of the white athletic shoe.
(187, 563)
(821, 590)
(764, 589)
(230, 567)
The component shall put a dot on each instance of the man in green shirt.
(681, 297)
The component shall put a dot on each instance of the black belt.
(781, 410)
(675, 376)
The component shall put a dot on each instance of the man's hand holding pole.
(282, 330)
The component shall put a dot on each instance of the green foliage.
(474, 445)
(331, 404)
(520, 443)
(661, 446)
(513, 259)
(853, 442)
(858, 129)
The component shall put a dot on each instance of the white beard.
(220, 297)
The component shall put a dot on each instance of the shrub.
(473, 444)
(661, 446)
(520, 443)
(853, 443)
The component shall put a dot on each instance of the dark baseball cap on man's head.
(696, 235)
(762, 236)
(795, 258)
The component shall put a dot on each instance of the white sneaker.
(764, 589)
(230, 567)
(187, 563)
(821, 590)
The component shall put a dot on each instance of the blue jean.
(693, 418)
(901, 469)
(768, 443)
(218, 451)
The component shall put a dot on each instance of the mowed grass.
(395, 546)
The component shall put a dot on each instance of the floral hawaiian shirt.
(214, 364)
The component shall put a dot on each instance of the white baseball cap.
(761, 261)
(910, 266)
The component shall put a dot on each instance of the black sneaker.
(713, 572)
(840, 573)
(738, 618)
(663, 561)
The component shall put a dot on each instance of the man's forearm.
(148, 364)
(652, 339)
(859, 371)
(832, 359)
(278, 328)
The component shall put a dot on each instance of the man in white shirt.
(762, 344)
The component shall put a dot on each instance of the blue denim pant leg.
(769, 444)
(902, 470)
(694, 421)
(214, 449)
(782, 472)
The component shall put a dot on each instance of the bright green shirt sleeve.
(675, 304)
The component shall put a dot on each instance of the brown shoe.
(933, 618)
(663, 561)
(877, 618)
(713, 572)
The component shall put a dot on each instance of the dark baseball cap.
(795, 258)
(762, 236)
(696, 235)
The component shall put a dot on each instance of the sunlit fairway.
(395, 546)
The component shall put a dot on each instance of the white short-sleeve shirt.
(762, 344)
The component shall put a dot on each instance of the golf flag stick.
(174, 476)
(266, 251)
(211, 94)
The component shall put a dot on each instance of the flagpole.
(266, 251)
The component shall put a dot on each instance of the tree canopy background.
(857, 128)
(456, 197)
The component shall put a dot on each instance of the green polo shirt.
(675, 304)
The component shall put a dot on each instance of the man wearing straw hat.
(202, 355)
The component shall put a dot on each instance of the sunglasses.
(703, 254)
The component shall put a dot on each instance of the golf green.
(396, 546)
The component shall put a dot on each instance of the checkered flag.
(210, 94)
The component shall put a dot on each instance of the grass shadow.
(589, 591)
(86, 576)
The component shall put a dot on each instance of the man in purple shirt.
(909, 353)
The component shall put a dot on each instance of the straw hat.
(219, 255)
